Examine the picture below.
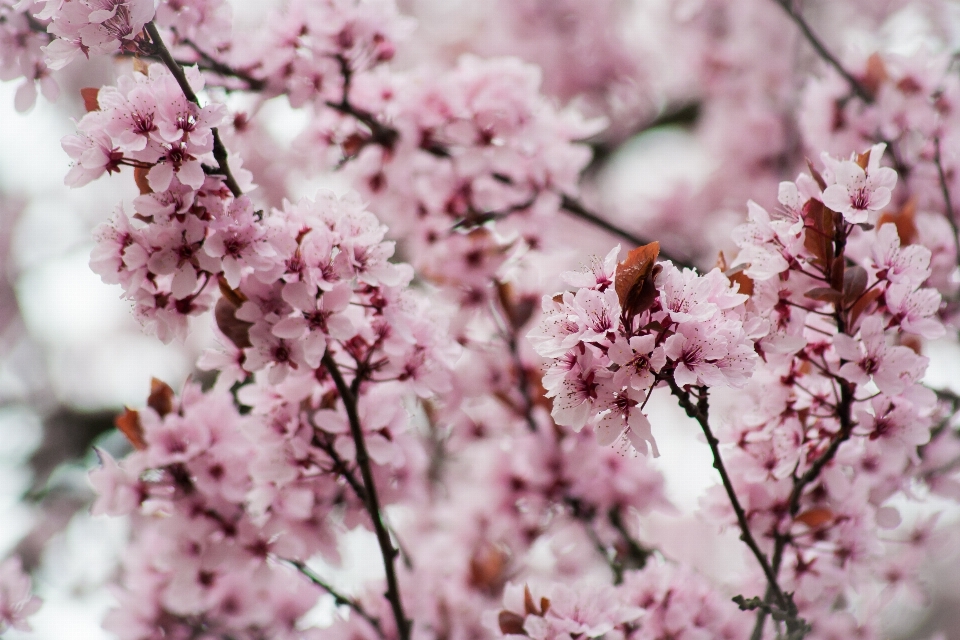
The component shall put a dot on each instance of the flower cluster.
(21, 53)
(631, 325)
(92, 27)
(835, 415)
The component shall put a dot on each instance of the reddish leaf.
(634, 280)
(128, 423)
(528, 603)
(488, 566)
(875, 75)
(824, 294)
(140, 177)
(905, 219)
(854, 284)
(816, 517)
(511, 623)
(89, 95)
(862, 305)
(161, 397)
(816, 176)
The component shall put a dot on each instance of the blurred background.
(72, 356)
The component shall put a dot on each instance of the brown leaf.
(818, 239)
(140, 177)
(875, 75)
(816, 176)
(854, 284)
(837, 269)
(816, 517)
(161, 397)
(863, 159)
(518, 311)
(511, 623)
(905, 219)
(528, 604)
(544, 606)
(634, 280)
(236, 330)
(128, 423)
(742, 280)
(488, 566)
(913, 343)
(824, 294)
(89, 95)
(862, 305)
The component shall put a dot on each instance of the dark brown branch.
(578, 210)
(700, 413)
(387, 550)
(219, 151)
(338, 598)
(855, 85)
(948, 212)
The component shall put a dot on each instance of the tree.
(427, 400)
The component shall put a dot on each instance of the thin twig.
(855, 85)
(387, 550)
(219, 151)
(948, 213)
(700, 412)
(338, 598)
(578, 210)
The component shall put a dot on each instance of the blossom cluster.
(631, 325)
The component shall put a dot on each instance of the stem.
(946, 197)
(578, 210)
(338, 598)
(523, 380)
(855, 85)
(387, 550)
(699, 412)
(219, 151)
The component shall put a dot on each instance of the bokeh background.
(71, 354)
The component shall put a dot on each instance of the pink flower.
(16, 601)
(893, 368)
(856, 192)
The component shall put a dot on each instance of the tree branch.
(338, 598)
(578, 210)
(219, 151)
(700, 412)
(387, 550)
(948, 212)
(855, 85)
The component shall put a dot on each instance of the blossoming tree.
(406, 357)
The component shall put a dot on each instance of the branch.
(699, 412)
(338, 598)
(855, 85)
(219, 151)
(578, 210)
(948, 212)
(387, 550)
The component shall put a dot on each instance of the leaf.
(528, 603)
(742, 280)
(875, 75)
(511, 623)
(89, 95)
(863, 159)
(816, 517)
(824, 294)
(161, 397)
(837, 268)
(862, 305)
(128, 423)
(854, 284)
(905, 219)
(518, 312)
(236, 330)
(140, 177)
(634, 280)
(819, 238)
(816, 176)
(488, 566)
